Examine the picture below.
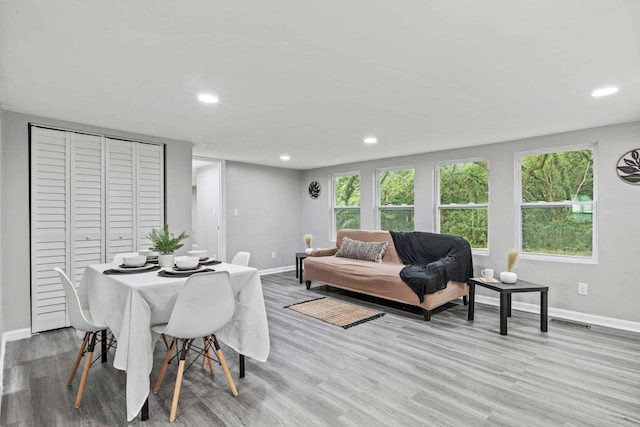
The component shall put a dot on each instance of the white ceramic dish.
(134, 261)
(187, 263)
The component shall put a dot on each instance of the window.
(557, 203)
(346, 202)
(463, 201)
(395, 199)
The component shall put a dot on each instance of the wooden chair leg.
(176, 390)
(206, 357)
(166, 344)
(205, 352)
(111, 339)
(79, 357)
(85, 372)
(225, 368)
(163, 371)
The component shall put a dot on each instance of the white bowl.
(187, 262)
(134, 261)
(200, 254)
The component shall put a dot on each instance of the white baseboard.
(277, 270)
(592, 319)
(17, 334)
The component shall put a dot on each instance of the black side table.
(506, 289)
(300, 256)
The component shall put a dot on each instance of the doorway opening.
(207, 217)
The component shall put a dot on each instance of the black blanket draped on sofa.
(431, 260)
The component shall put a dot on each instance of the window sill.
(559, 258)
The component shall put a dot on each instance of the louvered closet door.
(150, 200)
(50, 226)
(87, 203)
(121, 196)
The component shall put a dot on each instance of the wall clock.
(628, 167)
(314, 189)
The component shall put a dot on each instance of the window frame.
(439, 206)
(379, 208)
(576, 259)
(333, 233)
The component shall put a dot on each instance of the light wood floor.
(397, 370)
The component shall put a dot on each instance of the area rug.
(334, 312)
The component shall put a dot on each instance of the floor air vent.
(570, 323)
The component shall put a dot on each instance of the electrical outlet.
(273, 255)
(235, 212)
(583, 288)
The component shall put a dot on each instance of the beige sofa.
(371, 278)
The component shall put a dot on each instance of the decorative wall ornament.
(628, 167)
(314, 189)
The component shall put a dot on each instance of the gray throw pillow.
(367, 251)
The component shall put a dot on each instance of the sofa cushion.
(366, 251)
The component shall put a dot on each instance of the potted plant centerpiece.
(165, 243)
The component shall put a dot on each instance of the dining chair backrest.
(241, 258)
(119, 258)
(76, 316)
(203, 306)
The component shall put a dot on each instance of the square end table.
(506, 290)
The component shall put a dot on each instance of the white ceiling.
(312, 78)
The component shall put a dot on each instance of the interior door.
(50, 226)
(121, 193)
(87, 203)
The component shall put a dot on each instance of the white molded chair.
(204, 305)
(82, 321)
(118, 259)
(241, 258)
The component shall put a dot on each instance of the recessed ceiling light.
(208, 98)
(604, 91)
(370, 140)
(285, 157)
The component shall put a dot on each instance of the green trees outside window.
(464, 201)
(396, 199)
(557, 203)
(346, 202)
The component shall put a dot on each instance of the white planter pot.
(508, 277)
(166, 260)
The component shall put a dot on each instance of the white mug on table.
(487, 273)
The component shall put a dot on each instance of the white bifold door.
(91, 197)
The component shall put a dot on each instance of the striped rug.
(334, 312)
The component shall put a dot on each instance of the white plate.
(143, 267)
(207, 259)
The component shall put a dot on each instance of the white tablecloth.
(130, 303)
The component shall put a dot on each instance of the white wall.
(1, 287)
(613, 284)
(268, 201)
(14, 192)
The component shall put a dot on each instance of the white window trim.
(438, 206)
(379, 208)
(333, 233)
(575, 259)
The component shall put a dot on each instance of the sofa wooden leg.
(465, 300)
(427, 314)
(308, 283)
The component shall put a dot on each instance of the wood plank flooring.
(397, 370)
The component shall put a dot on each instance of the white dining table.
(130, 303)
